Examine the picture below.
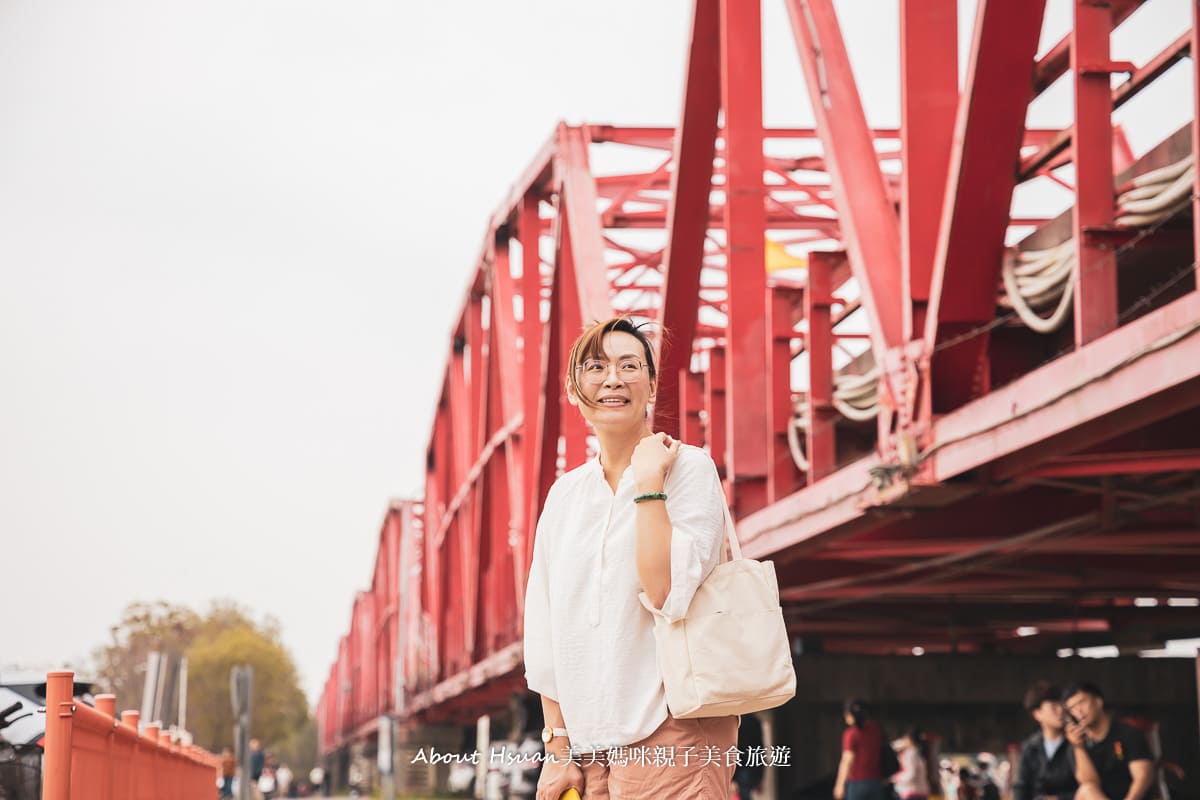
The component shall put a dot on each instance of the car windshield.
(36, 692)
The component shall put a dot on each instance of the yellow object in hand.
(570, 794)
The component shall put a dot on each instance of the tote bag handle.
(735, 549)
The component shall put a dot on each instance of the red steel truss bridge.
(951, 424)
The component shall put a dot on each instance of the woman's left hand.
(652, 457)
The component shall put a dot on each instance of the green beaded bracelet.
(650, 496)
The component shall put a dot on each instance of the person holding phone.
(646, 514)
(1112, 759)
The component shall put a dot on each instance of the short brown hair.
(1041, 692)
(590, 344)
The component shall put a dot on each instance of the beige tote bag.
(730, 654)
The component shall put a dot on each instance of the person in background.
(267, 783)
(1112, 759)
(257, 762)
(283, 781)
(228, 770)
(912, 781)
(748, 777)
(859, 775)
(1046, 768)
(316, 776)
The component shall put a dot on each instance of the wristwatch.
(548, 734)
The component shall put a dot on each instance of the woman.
(645, 515)
(912, 781)
(859, 774)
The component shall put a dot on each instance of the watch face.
(547, 735)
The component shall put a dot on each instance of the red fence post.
(60, 707)
(148, 759)
(107, 705)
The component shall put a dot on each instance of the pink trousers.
(683, 758)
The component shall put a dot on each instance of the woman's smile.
(612, 400)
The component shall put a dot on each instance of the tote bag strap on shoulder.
(735, 549)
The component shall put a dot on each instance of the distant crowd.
(268, 778)
(1080, 750)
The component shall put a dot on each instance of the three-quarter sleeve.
(539, 648)
(695, 504)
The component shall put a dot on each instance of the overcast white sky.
(232, 239)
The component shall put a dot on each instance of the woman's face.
(618, 384)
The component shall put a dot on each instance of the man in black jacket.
(1047, 766)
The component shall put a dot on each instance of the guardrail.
(92, 755)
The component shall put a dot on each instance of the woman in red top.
(859, 774)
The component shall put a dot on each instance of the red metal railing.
(92, 755)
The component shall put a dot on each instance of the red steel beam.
(1077, 389)
(533, 363)
(506, 358)
(474, 533)
(688, 215)
(870, 230)
(928, 101)
(536, 175)
(1126, 543)
(715, 401)
(1195, 47)
(1097, 464)
(935, 574)
(991, 119)
(585, 235)
(745, 225)
(783, 477)
(691, 390)
(1057, 60)
(1051, 154)
(909, 589)
(1092, 153)
(571, 321)
(821, 443)
(1152, 355)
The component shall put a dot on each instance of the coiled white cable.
(1038, 279)
(797, 426)
(856, 397)
(1156, 194)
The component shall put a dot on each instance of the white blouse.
(589, 642)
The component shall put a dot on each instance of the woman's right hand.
(557, 776)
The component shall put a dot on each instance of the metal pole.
(160, 684)
(149, 687)
(384, 759)
(241, 680)
(182, 721)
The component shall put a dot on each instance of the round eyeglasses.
(595, 371)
